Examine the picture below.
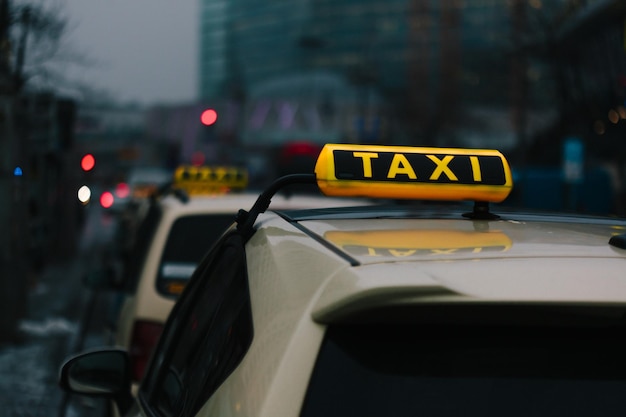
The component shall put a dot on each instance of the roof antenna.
(245, 219)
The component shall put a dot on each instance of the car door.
(206, 336)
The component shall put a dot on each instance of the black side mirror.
(102, 373)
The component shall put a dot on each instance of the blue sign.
(573, 160)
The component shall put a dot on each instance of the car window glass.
(207, 334)
(188, 240)
(483, 371)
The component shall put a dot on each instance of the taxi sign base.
(481, 212)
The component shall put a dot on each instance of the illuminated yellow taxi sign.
(413, 173)
(404, 243)
(210, 180)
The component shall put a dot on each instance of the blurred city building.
(115, 135)
(586, 50)
(523, 76)
(528, 77)
(37, 216)
(437, 70)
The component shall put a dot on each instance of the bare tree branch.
(41, 52)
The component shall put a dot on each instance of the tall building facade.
(432, 62)
(244, 42)
(214, 18)
(247, 42)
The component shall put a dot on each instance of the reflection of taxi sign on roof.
(413, 173)
(412, 242)
(208, 180)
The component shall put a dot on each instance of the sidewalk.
(63, 317)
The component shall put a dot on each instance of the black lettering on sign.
(419, 167)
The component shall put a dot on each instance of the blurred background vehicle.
(140, 184)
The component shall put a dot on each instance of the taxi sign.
(413, 173)
(210, 180)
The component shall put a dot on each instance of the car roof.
(152, 175)
(442, 250)
(232, 202)
(413, 257)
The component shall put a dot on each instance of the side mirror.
(102, 373)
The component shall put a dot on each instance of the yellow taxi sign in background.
(404, 172)
(210, 180)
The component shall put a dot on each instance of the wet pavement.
(63, 318)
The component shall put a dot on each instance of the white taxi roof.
(402, 254)
(421, 261)
(232, 202)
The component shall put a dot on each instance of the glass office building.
(432, 62)
(244, 42)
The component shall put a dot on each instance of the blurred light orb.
(197, 159)
(122, 190)
(107, 199)
(88, 162)
(208, 117)
(17, 172)
(84, 194)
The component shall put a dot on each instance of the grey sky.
(146, 50)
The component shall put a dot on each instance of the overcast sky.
(146, 50)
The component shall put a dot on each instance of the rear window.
(410, 370)
(189, 239)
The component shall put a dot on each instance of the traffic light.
(208, 117)
(87, 162)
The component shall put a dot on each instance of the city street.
(63, 317)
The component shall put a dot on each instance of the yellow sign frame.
(403, 177)
(198, 180)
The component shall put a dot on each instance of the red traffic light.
(87, 162)
(107, 199)
(122, 190)
(208, 117)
